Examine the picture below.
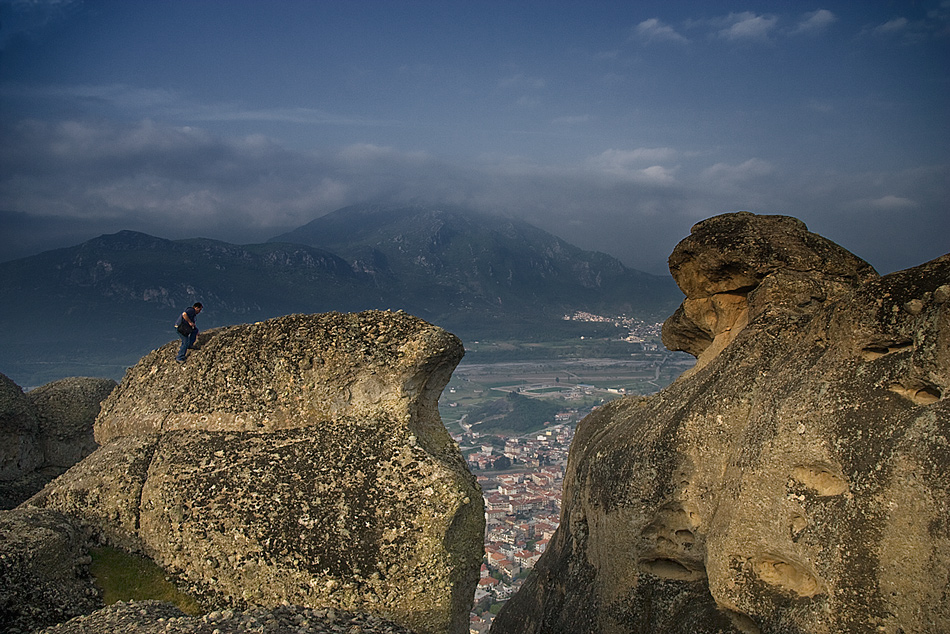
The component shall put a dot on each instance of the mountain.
(95, 308)
(455, 261)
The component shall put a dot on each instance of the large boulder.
(20, 450)
(67, 410)
(44, 432)
(299, 460)
(44, 570)
(797, 481)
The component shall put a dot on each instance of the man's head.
(197, 307)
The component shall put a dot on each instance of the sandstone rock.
(734, 266)
(67, 410)
(44, 574)
(300, 460)
(155, 617)
(20, 451)
(45, 432)
(799, 481)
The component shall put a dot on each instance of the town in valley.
(514, 422)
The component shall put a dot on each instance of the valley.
(514, 419)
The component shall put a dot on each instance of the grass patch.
(126, 577)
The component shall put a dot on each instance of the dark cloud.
(26, 18)
(64, 181)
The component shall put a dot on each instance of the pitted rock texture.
(67, 410)
(44, 570)
(154, 617)
(289, 372)
(45, 431)
(20, 450)
(299, 460)
(798, 482)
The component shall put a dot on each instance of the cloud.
(725, 172)
(891, 203)
(177, 182)
(935, 23)
(639, 155)
(112, 95)
(897, 25)
(815, 22)
(164, 103)
(746, 26)
(522, 82)
(653, 30)
(572, 119)
(636, 165)
(76, 179)
(363, 153)
(150, 175)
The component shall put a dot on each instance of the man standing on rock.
(187, 330)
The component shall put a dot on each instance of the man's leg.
(185, 342)
(192, 338)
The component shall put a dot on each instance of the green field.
(559, 373)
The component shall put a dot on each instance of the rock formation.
(798, 480)
(299, 460)
(67, 410)
(45, 431)
(20, 451)
(44, 576)
(156, 617)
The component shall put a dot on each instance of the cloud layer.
(615, 126)
(634, 203)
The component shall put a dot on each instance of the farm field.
(577, 383)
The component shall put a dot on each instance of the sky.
(614, 125)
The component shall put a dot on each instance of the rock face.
(67, 410)
(155, 617)
(797, 481)
(20, 452)
(299, 460)
(44, 576)
(45, 431)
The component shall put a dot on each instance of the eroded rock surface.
(20, 450)
(154, 617)
(44, 570)
(734, 267)
(298, 460)
(797, 481)
(67, 410)
(45, 431)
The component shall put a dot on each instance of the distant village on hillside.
(638, 331)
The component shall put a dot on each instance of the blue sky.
(614, 125)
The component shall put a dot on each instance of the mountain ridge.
(474, 274)
(487, 254)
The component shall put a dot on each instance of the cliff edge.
(798, 480)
